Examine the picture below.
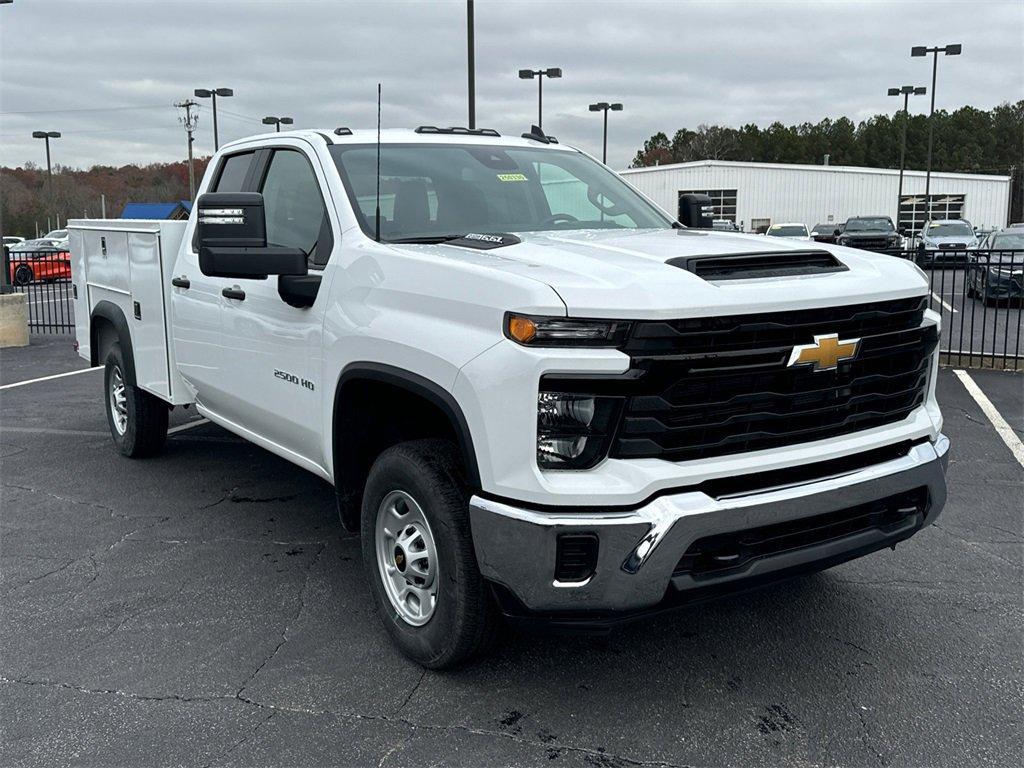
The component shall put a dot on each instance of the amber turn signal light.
(520, 328)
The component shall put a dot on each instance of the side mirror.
(232, 235)
(837, 232)
(695, 211)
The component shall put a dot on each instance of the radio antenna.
(378, 162)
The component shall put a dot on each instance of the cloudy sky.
(106, 73)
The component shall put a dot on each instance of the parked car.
(789, 230)
(945, 242)
(872, 233)
(39, 260)
(529, 403)
(827, 233)
(11, 240)
(995, 271)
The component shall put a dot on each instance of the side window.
(296, 216)
(232, 173)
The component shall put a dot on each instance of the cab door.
(196, 301)
(272, 349)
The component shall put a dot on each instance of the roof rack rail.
(458, 130)
(536, 134)
(342, 131)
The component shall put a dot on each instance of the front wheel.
(137, 419)
(418, 556)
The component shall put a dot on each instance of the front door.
(272, 349)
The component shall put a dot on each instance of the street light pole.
(904, 91)
(604, 106)
(471, 63)
(277, 121)
(918, 51)
(540, 74)
(213, 93)
(46, 136)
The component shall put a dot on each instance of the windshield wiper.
(426, 239)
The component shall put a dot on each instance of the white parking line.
(189, 425)
(48, 378)
(1003, 429)
(948, 307)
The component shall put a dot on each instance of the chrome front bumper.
(639, 548)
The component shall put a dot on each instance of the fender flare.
(112, 313)
(419, 385)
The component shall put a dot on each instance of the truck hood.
(616, 274)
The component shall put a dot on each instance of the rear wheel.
(137, 419)
(418, 556)
(23, 274)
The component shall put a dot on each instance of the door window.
(232, 173)
(295, 211)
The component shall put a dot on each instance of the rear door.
(197, 302)
(272, 349)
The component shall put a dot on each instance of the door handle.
(234, 293)
(181, 282)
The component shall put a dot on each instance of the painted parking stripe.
(189, 425)
(1003, 429)
(946, 306)
(49, 378)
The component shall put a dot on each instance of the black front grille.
(871, 243)
(716, 386)
(726, 553)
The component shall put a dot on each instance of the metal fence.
(978, 294)
(45, 276)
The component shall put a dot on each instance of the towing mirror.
(695, 211)
(232, 234)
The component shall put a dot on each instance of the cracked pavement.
(205, 608)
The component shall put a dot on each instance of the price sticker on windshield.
(511, 177)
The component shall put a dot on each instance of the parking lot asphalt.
(206, 608)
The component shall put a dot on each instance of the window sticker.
(511, 177)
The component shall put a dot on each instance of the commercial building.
(755, 195)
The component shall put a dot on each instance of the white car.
(535, 393)
(11, 240)
(793, 231)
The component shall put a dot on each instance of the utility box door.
(148, 317)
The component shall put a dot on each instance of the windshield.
(788, 230)
(1009, 241)
(869, 225)
(436, 191)
(950, 229)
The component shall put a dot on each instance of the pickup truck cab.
(536, 395)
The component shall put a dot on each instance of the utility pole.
(471, 55)
(46, 136)
(189, 121)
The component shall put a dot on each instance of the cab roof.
(423, 135)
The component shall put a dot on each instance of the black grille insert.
(727, 553)
(576, 557)
(716, 386)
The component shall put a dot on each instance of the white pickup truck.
(537, 396)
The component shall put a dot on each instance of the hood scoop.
(750, 266)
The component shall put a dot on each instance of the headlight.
(534, 331)
(574, 431)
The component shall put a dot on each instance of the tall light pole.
(213, 93)
(540, 74)
(905, 91)
(471, 63)
(46, 136)
(604, 106)
(278, 121)
(922, 50)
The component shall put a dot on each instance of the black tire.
(145, 417)
(465, 622)
(23, 274)
(970, 284)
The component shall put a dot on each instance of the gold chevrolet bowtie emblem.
(825, 353)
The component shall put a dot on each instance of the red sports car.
(47, 264)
